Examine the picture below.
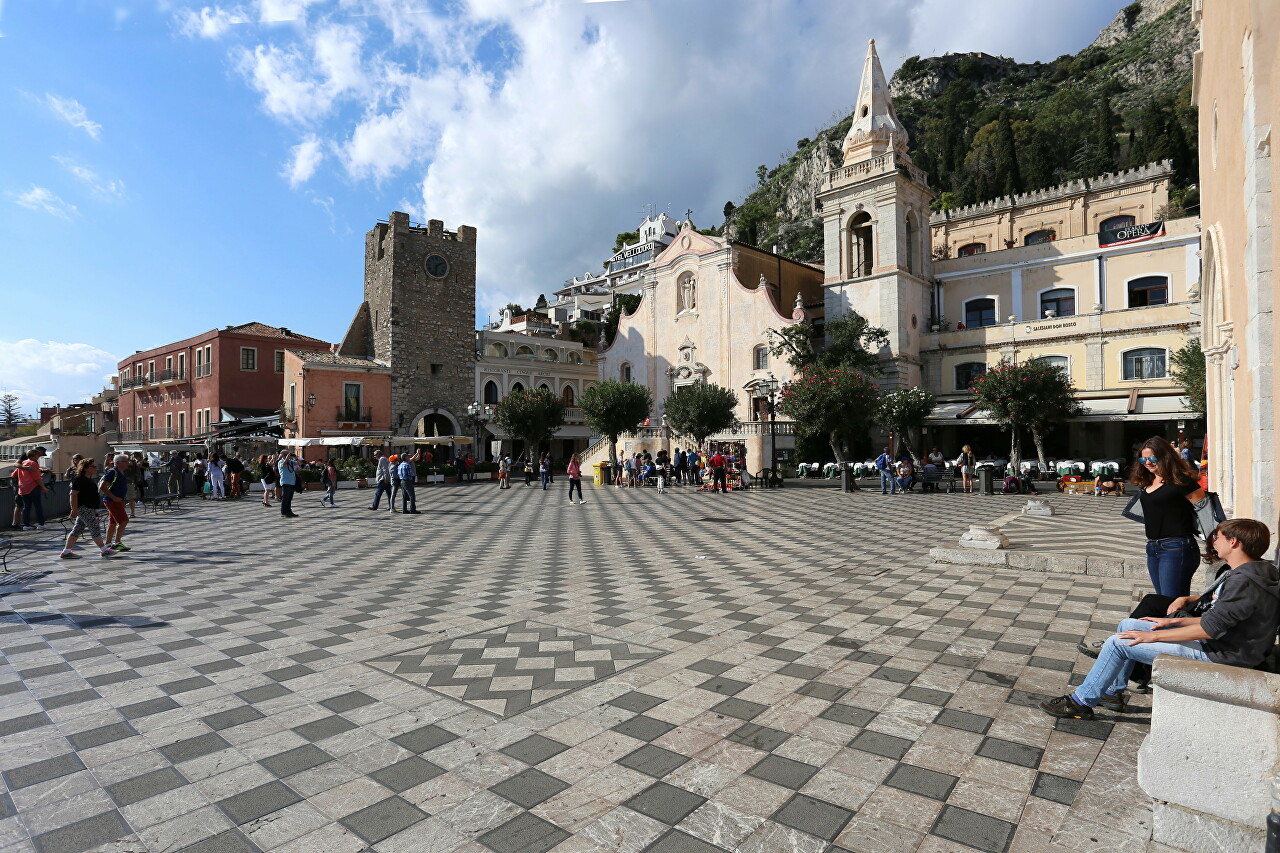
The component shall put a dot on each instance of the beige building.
(1082, 274)
(513, 361)
(707, 304)
(1237, 81)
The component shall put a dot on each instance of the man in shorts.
(114, 488)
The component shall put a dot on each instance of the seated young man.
(1106, 485)
(1238, 630)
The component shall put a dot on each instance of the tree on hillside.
(10, 411)
(622, 303)
(700, 410)
(533, 414)
(903, 412)
(514, 308)
(1033, 395)
(834, 403)
(613, 408)
(1187, 368)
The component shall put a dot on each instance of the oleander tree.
(533, 414)
(834, 403)
(1033, 395)
(612, 408)
(700, 410)
(902, 412)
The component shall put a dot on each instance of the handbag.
(1207, 511)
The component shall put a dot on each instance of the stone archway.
(436, 421)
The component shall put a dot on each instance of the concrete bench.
(1210, 761)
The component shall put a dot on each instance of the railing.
(574, 414)
(156, 433)
(354, 415)
(133, 435)
(171, 376)
(754, 428)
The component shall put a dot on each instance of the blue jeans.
(383, 488)
(575, 484)
(904, 483)
(409, 498)
(1171, 563)
(32, 503)
(329, 494)
(1110, 672)
(887, 483)
(546, 476)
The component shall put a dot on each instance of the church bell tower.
(875, 212)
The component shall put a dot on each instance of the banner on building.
(1129, 234)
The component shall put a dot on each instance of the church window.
(861, 248)
(967, 372)
(624, 372)
(980, 312)
(1146, 363)
(491, 391)
(1044, 235)
(971, 249)
(1148, 290)
(1117, 222)
(761, 357)
(517, 387)
(543, 387)
(1060, 300)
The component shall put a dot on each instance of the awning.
(135, 447)
(1147, 408)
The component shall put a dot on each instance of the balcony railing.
(160, 433)
(133, 435)
(353, 414)
(164, 376)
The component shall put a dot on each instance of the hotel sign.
(1126, 234)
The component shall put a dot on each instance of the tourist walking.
(719, 477)
(884, 464)
(330, 478)
(528, 468)
(114, 489)
(381, 478)
(574, 472)
(287, 468)
(177, 467)
(504, 472)
(86, 500)
(133, 474)
(544, 470)
(967, 463)
(407, 493)
(394, 478)
(70, 473)
(31, 490)
(217, 478)
(1168, 491)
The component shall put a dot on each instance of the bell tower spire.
(876, 128)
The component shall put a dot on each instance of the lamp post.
(479, 414)
(769, 388)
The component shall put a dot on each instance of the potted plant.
(305, 476)
(450, 473)
(357, 468)
(490, 468)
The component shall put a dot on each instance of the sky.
(167, 168)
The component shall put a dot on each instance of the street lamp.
(479, 414)
(769, 389)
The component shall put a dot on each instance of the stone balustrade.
(1210, 761)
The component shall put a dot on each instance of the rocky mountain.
(985, 126)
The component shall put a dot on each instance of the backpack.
(882, 462)
(1011, 485)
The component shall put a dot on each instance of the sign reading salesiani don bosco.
(1129, 234)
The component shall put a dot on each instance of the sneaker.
(1089, 649)
(27, 527)
(1115, 702)
(120, 546)
(68, 555)
(1141, 687)
(39, 527)
(1064, 707)
(106, 553)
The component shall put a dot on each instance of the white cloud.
(43, 199)
(102, 187)
(211, 22)
(271, 11)
(43, 371)
(306, 156)
(302, 83)
(73, 113)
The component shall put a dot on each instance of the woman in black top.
(1168, 491)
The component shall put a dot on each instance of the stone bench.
(1210, 761)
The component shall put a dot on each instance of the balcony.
(133, 435)
(353, 415)
(165, 377)
(161, 433)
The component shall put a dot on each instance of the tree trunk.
(837, 446)
(1039, 441)
(613, 452)
(1015, 449)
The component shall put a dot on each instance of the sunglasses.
(1147, 460)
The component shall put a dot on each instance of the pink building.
(332, 396)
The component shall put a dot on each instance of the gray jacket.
(1243, 621)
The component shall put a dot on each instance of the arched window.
(760, 357)
(1059, 361)
(524, 351)
(544, 387)
(1117, 222)
(1146, 363)
(498, 350)
(971, 249)
(967, 372)
(1148, 290)
(550, 355)
(913, 242)
(491, 391)
(861, 245)
(980, 312)
(566, 396)
(574, 358)
(624, 372)
(1044, 235)
(517, 387)
(1060, 300)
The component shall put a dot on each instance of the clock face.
(436, 266)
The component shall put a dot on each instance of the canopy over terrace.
(373, 440)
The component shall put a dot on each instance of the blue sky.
(167, 168)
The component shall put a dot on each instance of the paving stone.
(325, 727)
(348, 702)
(665, 803)
(14, 725)
(980, 831)
(230, 841)
(42, 771)
(148, 708)
(634, 701)
(525, 833)
(424, 739)
(1008, 751)
(813, 816)
(383, 819)
(675, 841)
(849, 715)
(84, 834)
(1055, 788)
(783, 771)
(296, 760)
(407, 774)
(529, 788)
(881, 744)
(256, 802)
(759, 737)
(964, 721)
(147, 785)
(653, 760)
(740, 708)
(195, 747)
(644, 728)
(233, 717)
(534, 749)
(819, 690)
(919, 780)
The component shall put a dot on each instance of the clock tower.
(418, 317)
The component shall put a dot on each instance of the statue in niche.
(688, 294)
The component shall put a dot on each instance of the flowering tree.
(533, 414)
(1033, 395)
(903, 412)
(833, 402)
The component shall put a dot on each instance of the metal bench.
(930, 480)
(154, 501)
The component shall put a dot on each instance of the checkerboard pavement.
(772, 671)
